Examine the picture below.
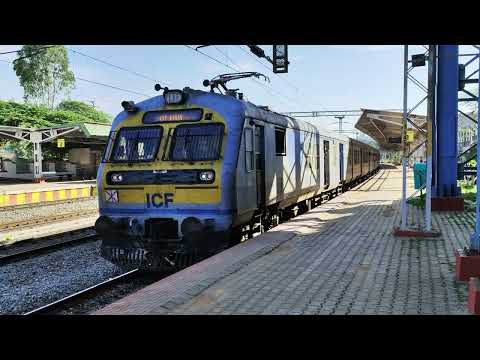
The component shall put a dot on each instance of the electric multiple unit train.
(189, 173)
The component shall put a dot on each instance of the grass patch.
(469, 194)
(418, 201)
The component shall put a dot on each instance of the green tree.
(43, 73)
(85, 110)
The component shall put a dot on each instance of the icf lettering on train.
(158, 200)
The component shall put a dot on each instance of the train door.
(260, 164)
(326, 163)
(341, 162)
(352, 159)
(361, 161)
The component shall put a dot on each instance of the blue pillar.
(446, 122)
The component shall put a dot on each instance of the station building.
(83, 145)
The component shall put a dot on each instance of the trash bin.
(419, 175)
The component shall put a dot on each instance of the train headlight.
(117, 178)
(174, 97)
(206, 176)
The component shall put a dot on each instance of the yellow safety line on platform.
(21, 199)
(46, 196)
(73, 193)
(35, 197)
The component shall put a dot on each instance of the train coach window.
(136, 144)
(280, 144)
(249, 154)
(197, 142)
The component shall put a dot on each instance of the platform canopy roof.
(386, 127)
(78, 133)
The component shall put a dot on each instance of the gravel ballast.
(26, 213)
(28, 284)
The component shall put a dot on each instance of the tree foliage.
(37, 117)
(85, 110)
(43, 73)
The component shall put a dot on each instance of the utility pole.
(340, 119)
(404, 206)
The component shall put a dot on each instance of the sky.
(320, 77)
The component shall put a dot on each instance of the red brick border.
(448, 204)
(466, 266)
(415, 233)
(474, 296)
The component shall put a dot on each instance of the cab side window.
(249, 153)
(280, 144)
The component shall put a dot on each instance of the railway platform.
(12, 194)
(339, 258)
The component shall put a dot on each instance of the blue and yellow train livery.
(189, 173)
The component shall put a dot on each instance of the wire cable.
(117, 67)
(228, 66)
(241, 68)
(101, 84)
(291, 84)
(17, 51)
(111, 86)
(267, 67)
(291, 99)
(238, 69)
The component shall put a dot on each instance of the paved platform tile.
(340, 258)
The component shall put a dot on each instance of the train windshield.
(137, 144)
(197, 142)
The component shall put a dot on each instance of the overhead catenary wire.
(280, 77)
(238, 70)
(90, 57)
(117, 66)
(267, 67)
(288, 82)
(234, 69)
(101, 84)
(279, 94)
(17, 51)
(112, 87)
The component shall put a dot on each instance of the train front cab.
(163, 184)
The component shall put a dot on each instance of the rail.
(80, 295)
(46, 220)
(25, 248)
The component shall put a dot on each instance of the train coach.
(189, 173)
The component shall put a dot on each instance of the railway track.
(105, 287)
(15, 225)
(26, 248)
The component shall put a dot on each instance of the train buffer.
(338, 258)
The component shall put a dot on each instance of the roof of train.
(256, 111)
(250, 110)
